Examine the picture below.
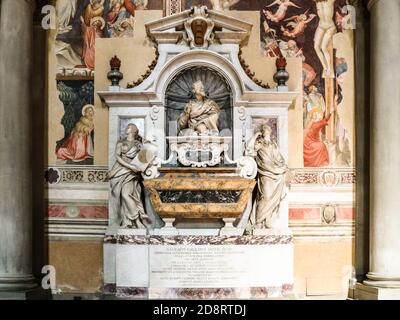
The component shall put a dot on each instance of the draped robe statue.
(271, 182)
(125, 181)
(200, 116)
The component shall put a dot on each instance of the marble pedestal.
(198, 267)
(367, 292)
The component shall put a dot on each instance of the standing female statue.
(271, 179)
(125, 181)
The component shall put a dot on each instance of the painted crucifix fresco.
(307, 29)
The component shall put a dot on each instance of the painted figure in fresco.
(65, 13)
(200, 116)
(290, 49)
(125, 181)
(79, 146)
(272, 170)
(268, 30)
(272, 48)
(314, 101)
(119, 20)
(298, 26)
(281, 12)
(341, 152)
(133, 5)
(140, 4)
(324, 35)
(223, 5)
(344, 19)
(315, 152)
(94, 9)
(92, 27)
(117, 11)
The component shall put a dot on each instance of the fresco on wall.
(81, 22)
(76, 147)
(307, 29)
(224, 5)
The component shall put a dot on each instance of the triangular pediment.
(183, 26)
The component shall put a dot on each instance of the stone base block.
(229, 229)
(367, 292)
(200, 267)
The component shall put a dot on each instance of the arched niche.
(179, 93)
(160, 79)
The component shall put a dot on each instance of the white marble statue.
(125, 181)
(271, 181)
(200, 116)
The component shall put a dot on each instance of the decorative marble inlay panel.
(221, 240)
(348, 178)
(97, 176)
(72, 174)
(132, 292)
(209, 196)
(328, 177)
(305, 178)
(199, 183)
(199, 240)
(199, 293)
(222, 293)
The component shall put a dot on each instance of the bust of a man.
(200, 116)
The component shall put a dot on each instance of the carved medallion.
(329, 214)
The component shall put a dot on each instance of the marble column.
(16, 26)
(384, 272)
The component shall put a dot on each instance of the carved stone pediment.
(198, 26)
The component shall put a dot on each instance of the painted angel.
(281, 12)
(268, 30)
(298, 25)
